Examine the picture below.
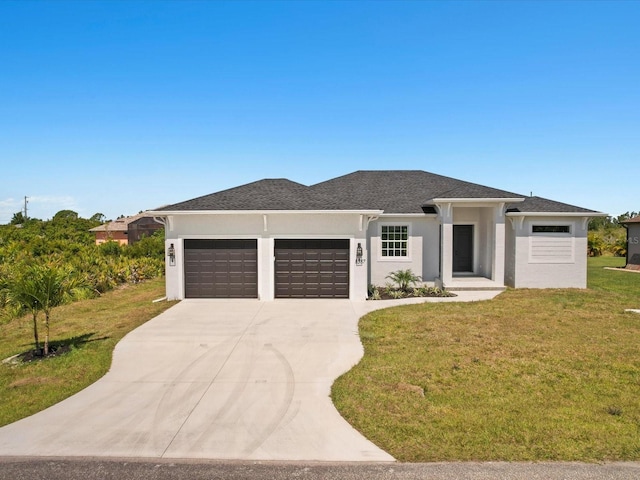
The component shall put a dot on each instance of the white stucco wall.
(510, 255)
(265, 231)
(564, 271)
(520, 269)
(423, 249)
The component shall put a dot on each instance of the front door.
(462, 248)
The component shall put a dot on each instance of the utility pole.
(26, 200)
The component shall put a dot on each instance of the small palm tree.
(41, 288)
(54, 286)
(20, 291)
(404, 279)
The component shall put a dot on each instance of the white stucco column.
(499, 244)
(446, 243)
(358, 273)
(266, 268)
(173, 273)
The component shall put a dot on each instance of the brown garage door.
(312, 268)
(221, 268)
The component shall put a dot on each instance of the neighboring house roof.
(392, 191)
(119, 225)
(632, 220)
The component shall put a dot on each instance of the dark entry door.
(463, 248)
(311, 268)
(221, 268)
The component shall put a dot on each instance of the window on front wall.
(551, 229)
(395, 239)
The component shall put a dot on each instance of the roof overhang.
(556, 214)
(166, 213)
(474, 200)
(417, 215)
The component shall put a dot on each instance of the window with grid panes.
(394, 240)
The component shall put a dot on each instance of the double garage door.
(303, 268)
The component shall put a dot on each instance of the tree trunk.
(46, 336)
(35, 332)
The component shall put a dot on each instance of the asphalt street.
(24, 468)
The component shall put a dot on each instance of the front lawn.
(91, 328)
(531, 375)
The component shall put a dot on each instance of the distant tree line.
(607, 235)
(46, 263)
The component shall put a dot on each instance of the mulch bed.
(386, 296)
(35, 355)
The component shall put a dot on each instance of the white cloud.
(46, 206)
(8, 203)
(38, 206)
(7, 208)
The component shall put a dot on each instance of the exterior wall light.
(171, 251)
(359, 259)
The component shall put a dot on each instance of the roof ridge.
(393, 191)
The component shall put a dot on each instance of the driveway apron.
(217, 379)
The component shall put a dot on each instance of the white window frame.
(552, 224)
(404, 258)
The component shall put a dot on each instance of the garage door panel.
(221, 268)
(291, 255)
(328, 278)
(237, 279)
(294, 266)
(326, 267)
(312, 268)
(332, 292)
(313, 279)
(296, 278)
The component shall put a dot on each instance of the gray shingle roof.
(544, 205)
(267, 194)
(402, 191)
(393, 191)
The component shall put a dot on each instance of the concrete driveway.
(218, 379)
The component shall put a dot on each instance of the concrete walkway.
(217, 379)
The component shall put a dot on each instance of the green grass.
(531, 375)
(91, 327)
(620, 283)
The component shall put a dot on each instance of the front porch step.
(474, 284)
(469, 288)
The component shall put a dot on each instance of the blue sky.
(117, 107)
